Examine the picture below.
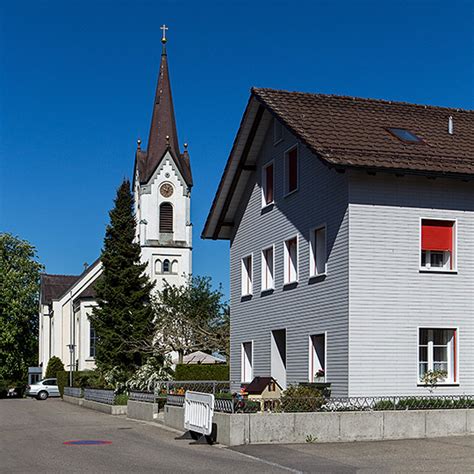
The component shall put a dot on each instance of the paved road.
(32, 435)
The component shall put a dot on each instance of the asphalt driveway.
(33, 433)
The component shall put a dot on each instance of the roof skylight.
(405, 135)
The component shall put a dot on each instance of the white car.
(43, 389)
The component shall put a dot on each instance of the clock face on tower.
(166, 190)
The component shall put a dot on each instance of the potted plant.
(320, 376)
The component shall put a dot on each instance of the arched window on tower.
(166, 218)
(166, 266)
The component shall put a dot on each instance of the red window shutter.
(437, 235)
(269, 184)
(292, 170)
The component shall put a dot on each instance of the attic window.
(405, 135)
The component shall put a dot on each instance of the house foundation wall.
(238, 429)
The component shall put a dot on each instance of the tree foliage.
(19, 304)
(55, 365)
(190, 317)
(123, 291)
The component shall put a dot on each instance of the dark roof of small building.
(352, 132)
(88, 292)
(53, 286)
(259, 384)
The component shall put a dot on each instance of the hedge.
(202, 372)
(80, 379)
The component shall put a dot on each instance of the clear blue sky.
(77, 81)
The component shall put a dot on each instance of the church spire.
(163, 134)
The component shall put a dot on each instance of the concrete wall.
(102, 407)
(238, 429)
(142, 410)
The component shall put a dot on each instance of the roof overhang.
(240, 165)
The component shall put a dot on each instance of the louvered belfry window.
(166, 218)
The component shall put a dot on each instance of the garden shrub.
(121, 399)
(299, 398)
(384, 405)
(55, 365)
(202, 372)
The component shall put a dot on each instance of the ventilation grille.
(166, 218)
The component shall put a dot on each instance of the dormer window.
(405, 135)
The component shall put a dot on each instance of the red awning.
(437, 235)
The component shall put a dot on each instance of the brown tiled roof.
(352, 132)
(53, 286)
(163, 134)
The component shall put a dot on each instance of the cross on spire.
(164, 28)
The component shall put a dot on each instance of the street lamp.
(71, 355)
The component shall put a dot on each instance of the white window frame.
(264, 184)
(313, 269)
(246, 276)
(311, 371)
(277, 137)
(243, 377)
(264, 269)
(286, 266)
(454, 256)
(286, 174)
(450, 379)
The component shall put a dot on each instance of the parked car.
(16, 392)
(43, 389)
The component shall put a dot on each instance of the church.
(162, 182)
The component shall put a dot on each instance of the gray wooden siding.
(389, 297)
(311, 307)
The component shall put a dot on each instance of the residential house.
(351, 230)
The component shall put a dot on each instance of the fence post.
(213, 388)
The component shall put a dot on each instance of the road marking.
(87, 442)
(270, 463)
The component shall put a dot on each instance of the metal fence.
(101, 396)
(321, 404)
(73, 392)
(173, 387)
(142, 396)
(399, 403)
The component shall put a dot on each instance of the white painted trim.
(310, 355)
(287, 193)
(312, 233)
(242, 362)
(264, 184)
(263, 269)
(456, 355)
(285, 254)
(243, 294)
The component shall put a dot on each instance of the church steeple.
(163, 134)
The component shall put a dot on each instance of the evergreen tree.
(124, 312)
(55, 365)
